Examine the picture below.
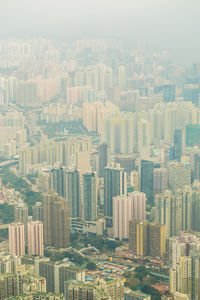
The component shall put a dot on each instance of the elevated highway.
(4, 226)
(8, 162)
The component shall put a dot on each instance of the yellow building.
(147, 238)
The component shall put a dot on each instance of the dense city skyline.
(99, 150)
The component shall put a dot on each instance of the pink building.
(138, 205)
(126, 208)
(16, 239)
(35, 238)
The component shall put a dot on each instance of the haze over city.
(99, 150)
(165, 24)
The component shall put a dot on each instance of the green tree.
(155, 295)
(134, 283)
(74, 237)
(20, 185)
(6, 213)
(4, 234)
(141, 272)
(91, 265)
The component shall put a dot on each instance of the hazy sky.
(170, 24)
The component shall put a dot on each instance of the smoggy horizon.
(157, 24)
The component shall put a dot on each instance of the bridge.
(88, 249)
(8, 162)
(4, 226)
(166, 277)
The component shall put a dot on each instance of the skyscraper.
(135, 180)
(118, 132)
(192, 93)
(179, 141)
(37, 211)
(181, 277)
(146, 179)
(90, 196)
(9, 285)
(179, 211)
(191, 198)
(21, 216)
(56, 220)
(147, 238)
(114, 185)
(195, 164)
(169, 93)
(160, 180)
(126, 208)
(138, 204)
(179, 175)
(182, 245)
(195, 257)
(57, 179)
(122, 77)
(16, 239)
(143, 138)
(163, 213)
(57, 273)
(66, 182)
(44, 267)
(185, 277)
(35, 238)
(193, 135)
(72, 192)
(121, 216)
(126, 161)
(156, 240)
(138, 237)
(103, 158)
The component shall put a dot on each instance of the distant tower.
(138, 200)
(191, 93)
(72, 192)
(193, 135)
(56, 221)
(160, 180)
(144, 138)
(90, 196)
(147, 238)
(126, 208)
(103, 158)
(114, 185)
(157, 240)
(178, 144)
(169, 93)
(21, 216)
(35, 238)
(122, 77)
(195, 257)
(138, 237)
(146, 181)
(195, 164)
(179, 175)
(57, 179)
(16, 239)
(37, 211)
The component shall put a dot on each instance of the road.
(8, 162)
(4, 226)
